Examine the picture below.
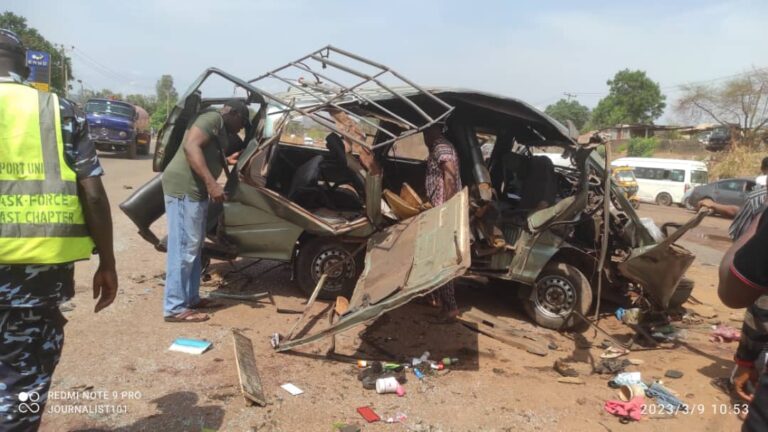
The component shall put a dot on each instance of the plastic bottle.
(417, 361)
(448, 361)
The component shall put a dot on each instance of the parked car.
(118, 126)
(719, 140)
(729, 191)
(664, 181)
(520, 219)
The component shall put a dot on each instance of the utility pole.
(63, 54)
(569, 95)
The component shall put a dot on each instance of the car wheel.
(560, 290)
(664, 199)
(687, 204)
(143, 150)
(682, 293)
(320, 255)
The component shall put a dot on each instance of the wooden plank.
(479, 316)
(506, 335)
(517, 342)
(250, 383)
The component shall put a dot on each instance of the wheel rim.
(338, 275)
(665, 200)
(555, 296)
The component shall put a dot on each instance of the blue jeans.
(186, 234)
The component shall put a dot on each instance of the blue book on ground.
(190, 346)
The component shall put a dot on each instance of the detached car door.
(405, 261)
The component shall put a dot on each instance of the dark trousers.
(30, 348)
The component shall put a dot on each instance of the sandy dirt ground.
(117, 373)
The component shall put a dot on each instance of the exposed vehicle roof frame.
(341, 77)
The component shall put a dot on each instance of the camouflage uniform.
(31, 325)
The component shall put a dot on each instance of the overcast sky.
(533, 50)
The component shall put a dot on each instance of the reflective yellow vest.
(41, 220)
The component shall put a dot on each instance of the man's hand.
(216, 192)
(104, 286)
(741, 377)
(705, 203)
(232, 159)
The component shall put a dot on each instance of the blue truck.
(118, 126)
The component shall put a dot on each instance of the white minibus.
(664, 181)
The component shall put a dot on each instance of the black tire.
(319, 254)
(682, 293)
(132, 149)
(687, 204)
(559, 290)
(664, 199)
(143, 149)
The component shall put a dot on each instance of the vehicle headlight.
(123, 134)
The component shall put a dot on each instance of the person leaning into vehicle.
(189, 182)
(442, 183)
(743, 280)
(53, 209)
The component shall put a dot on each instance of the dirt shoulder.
(120, 357)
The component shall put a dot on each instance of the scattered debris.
(631, 410)
(190, 346)
(724, 334)
(672, 373)
(398, 418)
(552, 346)
(250, 383)
(292, 389)
(128, 187)
(349, 428)
(368, 414)
(626, 378)
(636, 362)
(629, 316)
(664, 397)
(614, 352)
(631, 391)
(611, 366)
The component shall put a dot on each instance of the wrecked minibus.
(352, 219)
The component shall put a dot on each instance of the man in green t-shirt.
(189, 181)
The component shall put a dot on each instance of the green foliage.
(33, 40)
(642, 147)
(632, 98)
(564, 110)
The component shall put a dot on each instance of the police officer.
(53, 211)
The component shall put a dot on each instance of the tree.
(632, 98)
(33, 40)
(742, 100)
(166, 99)
(148, 102)
(564, 110)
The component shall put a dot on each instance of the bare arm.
(98, 218)
(733, 292)
(728, 211)
(193, 148)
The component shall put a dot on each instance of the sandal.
(206, 303)
(189, 316)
